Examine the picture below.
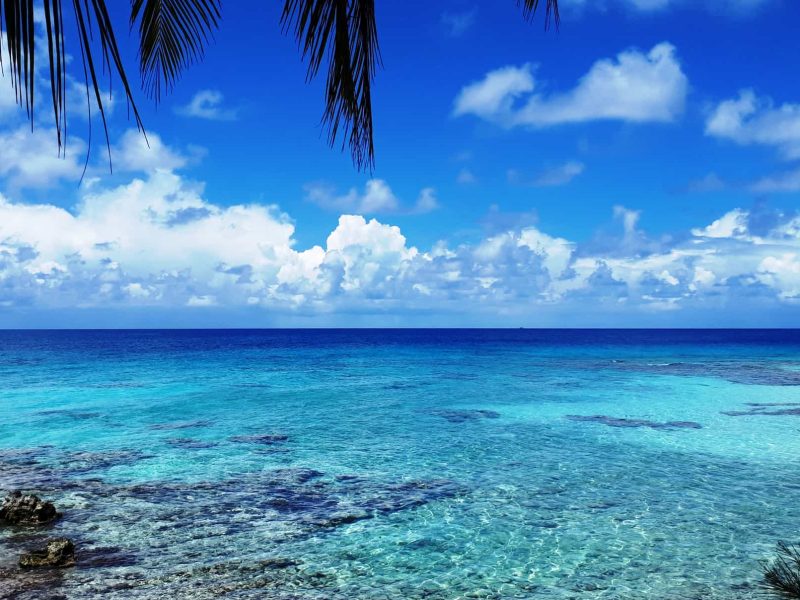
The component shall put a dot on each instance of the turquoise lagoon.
(431, 464)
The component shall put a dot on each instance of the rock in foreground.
(27, 509)
(60, 552)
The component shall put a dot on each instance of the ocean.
(437, 464)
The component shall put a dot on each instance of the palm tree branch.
(343, 33)
(97, 13)
(17, 18)
(172, 36)
(530, 7)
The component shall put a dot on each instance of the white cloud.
(426, 202)
(79, 101)
(31, 158)
(134, 152)
(633, 87)
(201, 301)
(732, 224)
(553, 176)
(493, 97)
(207, 104)
(8, 101)
(561, 174)
(720, 6)
(457, 24)
(749, 119)
(157, 242)
(376, 198)
(710, 182)
(788, 181)
(466, 177)
(649, 4)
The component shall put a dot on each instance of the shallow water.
(403, 464)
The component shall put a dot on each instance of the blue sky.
(638, 167)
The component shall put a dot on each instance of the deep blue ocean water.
(432, 464)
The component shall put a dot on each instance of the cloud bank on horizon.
(157, 242)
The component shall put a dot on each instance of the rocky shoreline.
(59, 550)
(28, 510)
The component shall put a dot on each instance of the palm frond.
(344, 33)
(172, 36)
(95, 12)
(17, 18)
(782, 575)
(529, 8)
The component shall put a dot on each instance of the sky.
(637, 167)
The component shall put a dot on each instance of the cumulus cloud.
(157, 242)
(376, 198)
(466, 177)
(553, 176)
(749, 119)
(208, 104)
(134, 152)
(31, 158)
(634, 87)
(427, 201)
(79, 101)
(457, 24)
(752, 120)
(711, 182)
(721, 6)
(788, 181)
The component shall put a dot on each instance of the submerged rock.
(267, 439)
(461, 416)
(81, 462)
(181, 425)
(766, 373)
(620, 422)
(761, 410)
(26, 509)
(59, 552)
(78, 415)
(191, 444)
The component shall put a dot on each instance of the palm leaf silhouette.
(172, 36)
(341, 35)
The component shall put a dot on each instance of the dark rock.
(403, 385)
(680, 425)
(78, 415)
(761, 410)
(60, 552)
(735, 371)
(794, 412)
(620, 422)
(180, 425)
(82, 462)
(345, 519)
(461, 416)
(26, 509)
(191, 444)
(267, 439)
(106, 556)
(298, 475)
